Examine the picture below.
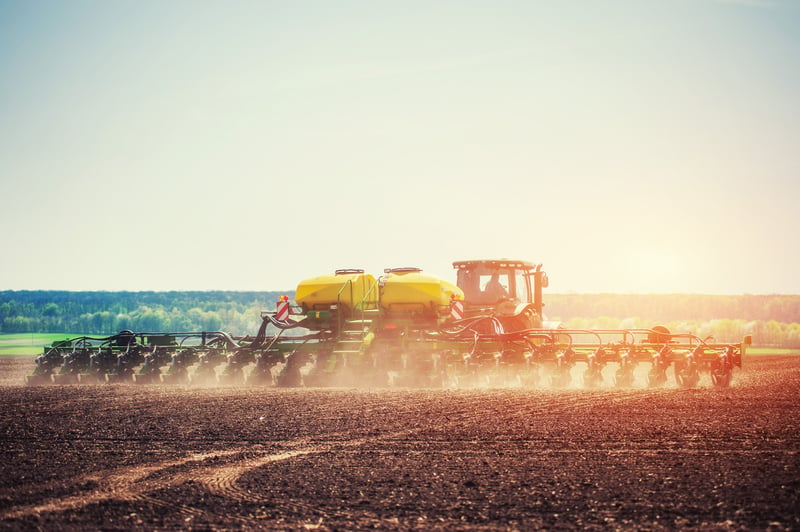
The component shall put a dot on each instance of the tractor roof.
(498, 263)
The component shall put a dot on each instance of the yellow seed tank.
(345, 288)
(410, 290)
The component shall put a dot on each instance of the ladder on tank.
(357, 331)
(355, 335)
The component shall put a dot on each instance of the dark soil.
(157, 457)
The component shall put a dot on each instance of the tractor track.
(111, 484)
(137, 483)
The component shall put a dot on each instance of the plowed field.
(122, 456)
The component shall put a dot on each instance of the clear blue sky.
(630, 146)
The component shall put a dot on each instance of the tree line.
(46, 311)
(671, 307)
(773, 320)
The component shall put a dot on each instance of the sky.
(648, 146)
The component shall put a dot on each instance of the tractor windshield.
(494, 286)
(485, 285)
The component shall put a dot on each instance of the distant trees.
(109, 312)
(670, 307)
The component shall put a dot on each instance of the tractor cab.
(502, 287)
